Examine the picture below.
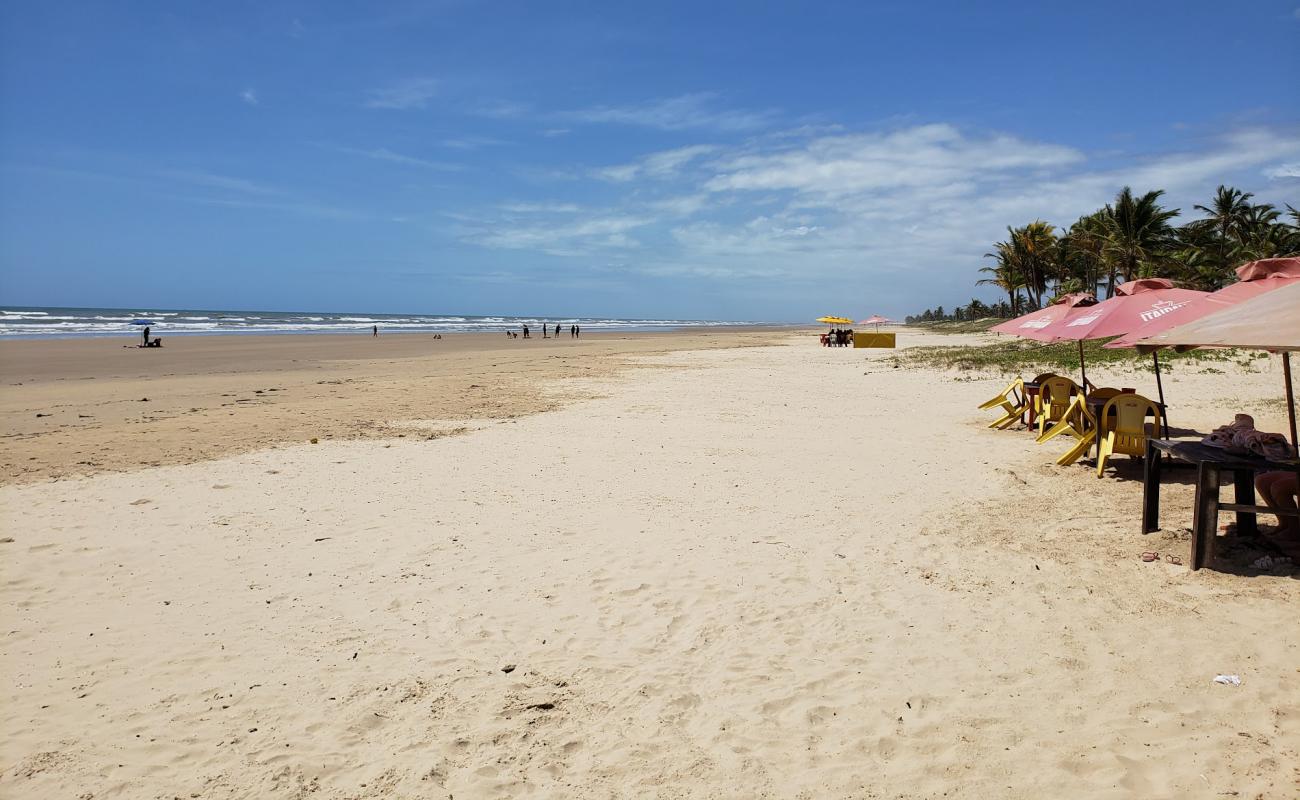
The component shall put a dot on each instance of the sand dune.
(760, 572)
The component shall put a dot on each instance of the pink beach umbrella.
(1256, 278)
(875, 319)
(1031, 325)
(1267, 321)
(1135, 304)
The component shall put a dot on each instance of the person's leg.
(1278, 489)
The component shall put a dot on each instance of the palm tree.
(1228, 215)
(1082, 249)
(1138, 233)
(1006, 277)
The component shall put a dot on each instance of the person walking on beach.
(546, 326)
(557, 330)
(577, 331)
(374, 330)
(525, 331)
(145, 333)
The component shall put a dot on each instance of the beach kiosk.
(874, 338)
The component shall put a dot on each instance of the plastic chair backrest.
(1103, 394)
(1056, 393)
(1131, 412)
(1038, 379)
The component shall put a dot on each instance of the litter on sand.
(1228, 680)
(1271, 562)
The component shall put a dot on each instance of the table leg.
(1151, 490)
(1244, 482)
(1205, 522)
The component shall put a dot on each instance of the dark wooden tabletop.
(1198, 453)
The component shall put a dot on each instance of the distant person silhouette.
(525, 331)
(374, 330)
(146, 335)
(557, 330)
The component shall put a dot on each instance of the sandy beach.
(710, 564)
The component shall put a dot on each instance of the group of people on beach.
(575, 332)
(838, 337)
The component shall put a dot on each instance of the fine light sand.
(778, 571)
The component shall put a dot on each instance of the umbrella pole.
(1164, 418)
(1290, 395)
(1083, 372)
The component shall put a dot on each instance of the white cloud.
(222, 182)
(922, 156)
(581, 236)
(901, 215)
(662, 165)
(413, 93)
(249, 96)
(688, 111)
(1276, 171)
(541, 208)
(472, 142)
(384, 154)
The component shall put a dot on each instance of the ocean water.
(20, 321)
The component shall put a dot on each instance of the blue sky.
(768, 161)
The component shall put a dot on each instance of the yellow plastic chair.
(1080, 423)
(1055, 395)
(1012, 401)
(1031, 397)
(1128, 433)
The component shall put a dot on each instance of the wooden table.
(1210, 462)
(1031, 389)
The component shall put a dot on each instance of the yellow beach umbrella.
(834, 320)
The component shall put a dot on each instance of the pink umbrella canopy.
(1031, 325)
(1265, 322)
(1135, 303)
(874, 319)
(1257, 277)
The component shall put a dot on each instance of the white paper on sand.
(1228, 680)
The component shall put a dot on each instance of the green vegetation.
(1010, 356)
(979, 325)
(1131, 238)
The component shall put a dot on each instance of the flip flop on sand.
(1173, 559)
(1150, 556)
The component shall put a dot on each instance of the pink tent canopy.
(1031, 325)
(1257, 277)
(1134, 304)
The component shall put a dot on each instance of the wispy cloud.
(1276, 171)
(472, 142)
(922, 156)
(249, 96)
(306, 209)
(662, 165)
(541, 208)
(900, 213)
(214, 181)
(685, 112)
(578, 237)
(384, 154)
(413, 93)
